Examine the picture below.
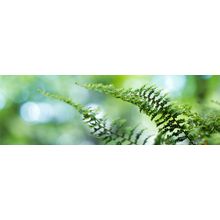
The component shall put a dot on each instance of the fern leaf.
(110, 133)
(156, 105)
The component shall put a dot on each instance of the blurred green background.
(27, 117)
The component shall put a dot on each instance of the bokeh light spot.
(36, 112)
(171, 84)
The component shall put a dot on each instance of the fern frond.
(110, 133)
(170, 119)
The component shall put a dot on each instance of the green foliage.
(172, 127)
(205, 125)
(175, 123)
(109, 132)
